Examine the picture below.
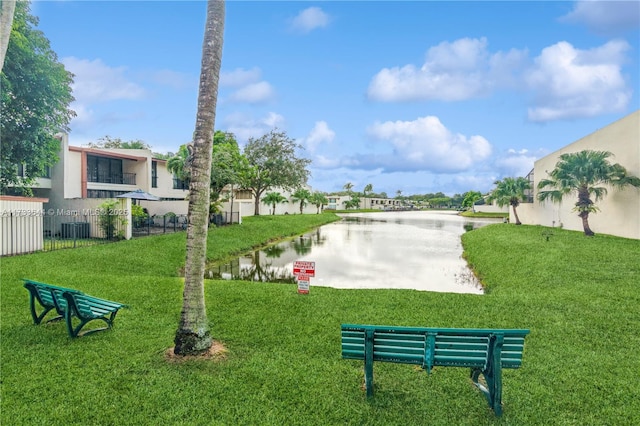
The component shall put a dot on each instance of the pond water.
(398, 250)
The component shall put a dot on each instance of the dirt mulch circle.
(217, 352)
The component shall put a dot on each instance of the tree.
(273, 163)
(193, 336)
(178, 164)
(348, 187)
(35, 99)
(318, 199)
(301, 196)
(107, 142)
(227, 165)
(580, 173)
(354, 202)
(7, 9)
(367, 190)
(272, 199)
(510, 191)
(470, 198)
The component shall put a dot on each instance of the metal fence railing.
(154, 225)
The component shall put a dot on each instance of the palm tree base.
(191, 343)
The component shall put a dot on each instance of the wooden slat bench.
(485, 351)
(72, 305)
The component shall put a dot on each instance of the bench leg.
(492, 374)
(368, 362)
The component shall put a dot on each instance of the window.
(154, 174)
(108, 170)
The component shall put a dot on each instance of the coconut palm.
(580, 173)
(301, 196)
(193, 336)
(272, 199)
(348, 187)
(510, 191)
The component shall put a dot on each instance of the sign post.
(303, 272)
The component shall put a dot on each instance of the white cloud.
(452, 71)
(240, 77)
(254, 93)
(321, 133)
(607, 17)
(515, 163)
(309, 19)
(244, 126)
(425, 144)
(249, 86)
(96, 82)
(570, 82)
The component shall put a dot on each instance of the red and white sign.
(304, 268)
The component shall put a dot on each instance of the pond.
(395, 250)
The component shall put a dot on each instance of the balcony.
(118, 179)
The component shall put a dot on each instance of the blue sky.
(414, 96)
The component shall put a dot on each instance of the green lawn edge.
(578, 296)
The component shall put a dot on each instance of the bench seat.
(74, 306)
(485, 351)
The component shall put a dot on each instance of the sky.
(417, 97)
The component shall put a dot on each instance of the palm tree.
(193, 336)
(367, 190)
(301, 196)
(348, 187)
(580, 173)
(7, 10)
(318, 199)
(274, 198)
(510, 191)
(178, 165)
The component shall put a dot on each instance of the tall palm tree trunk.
(7, 10)
(193, 335)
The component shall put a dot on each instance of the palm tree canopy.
(584, 173)
(509, 191)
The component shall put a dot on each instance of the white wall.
(620, 210)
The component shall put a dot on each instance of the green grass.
(579, 297)
(469, 213)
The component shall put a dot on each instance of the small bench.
(72, 305)
(485, 351)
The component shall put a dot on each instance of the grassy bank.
(579, 296)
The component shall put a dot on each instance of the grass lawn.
(579, 297)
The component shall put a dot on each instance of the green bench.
(77, 308)
(485, 351)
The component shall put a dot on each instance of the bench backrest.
(428, 347)
(49, 295)
(90, 306)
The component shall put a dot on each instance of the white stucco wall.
(620, 210)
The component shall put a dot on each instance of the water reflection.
(403, 250)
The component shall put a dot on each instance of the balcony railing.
(118, 179)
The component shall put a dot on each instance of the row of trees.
(270, 161)
(301, 196)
